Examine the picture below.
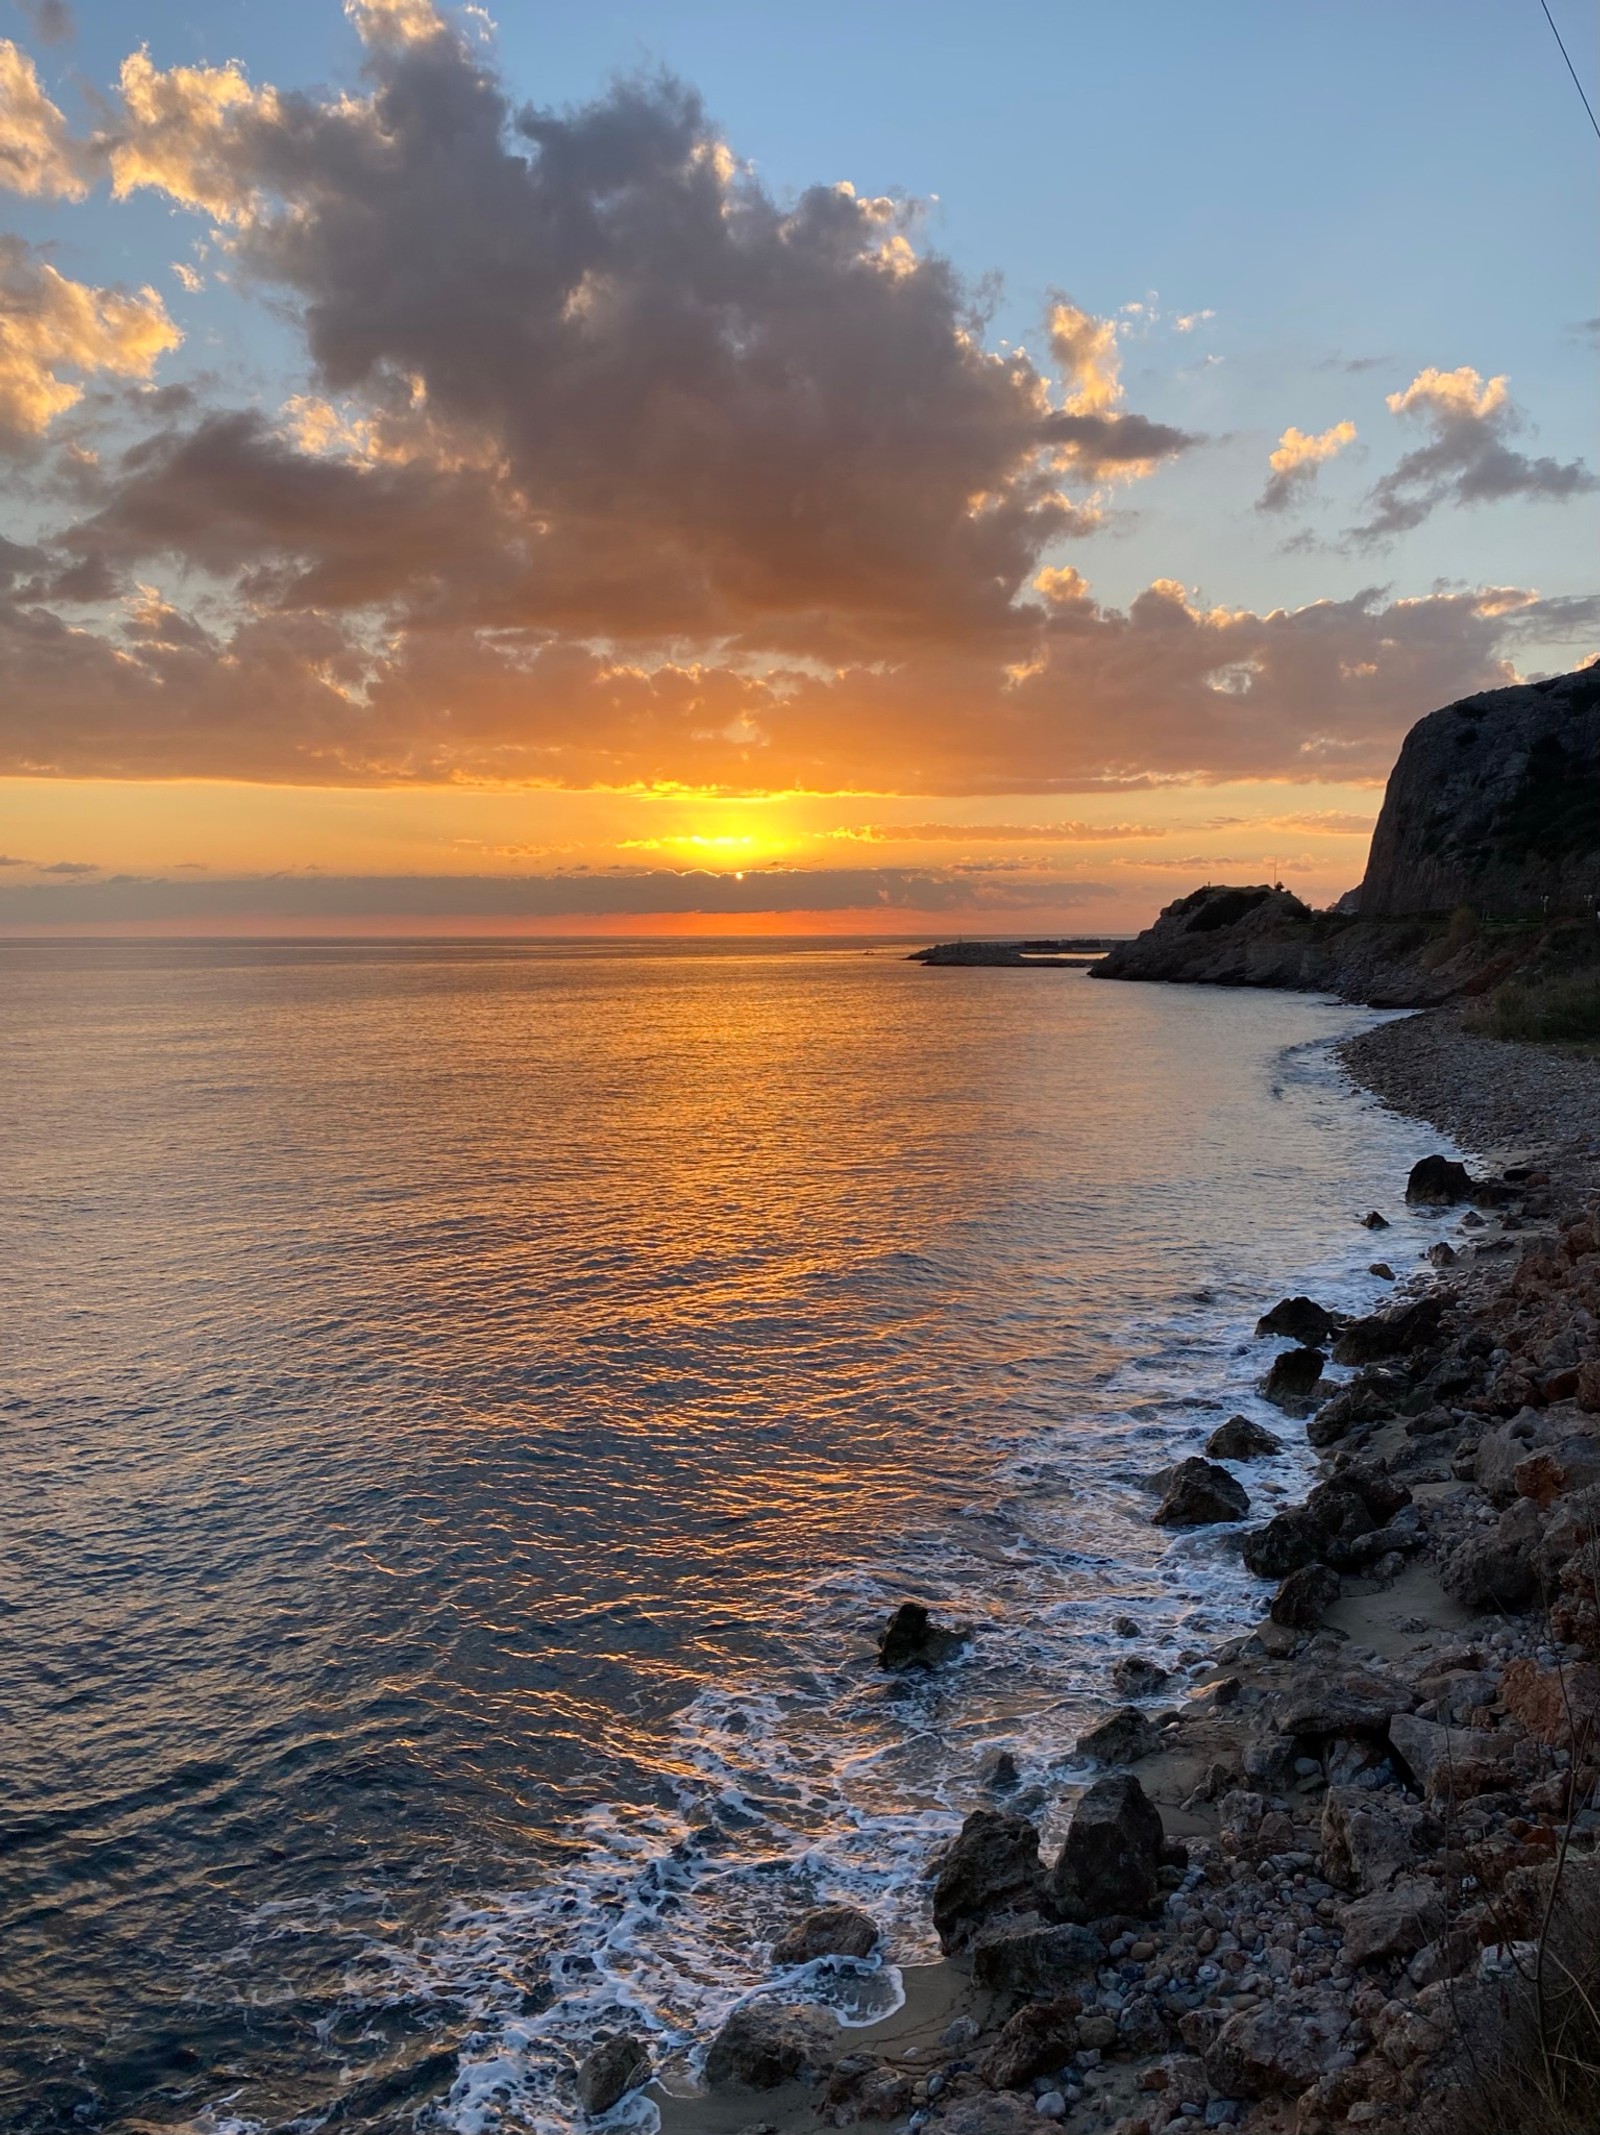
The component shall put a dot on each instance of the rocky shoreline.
(1346, 1874)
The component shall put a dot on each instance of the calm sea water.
(467, 1411)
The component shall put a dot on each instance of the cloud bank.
(612, 468)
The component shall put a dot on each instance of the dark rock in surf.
(1293, 1376)
(1240, 1439)
(832, 1931)
(1198, 1493)
(1122, 1739)
(1282, 1546)
(615, 2067)
(1438, 1182)
(912, 1639)
(1137, 1677)
(1298, 1319)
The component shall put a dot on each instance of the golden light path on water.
(469, 1409)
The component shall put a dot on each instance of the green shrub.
(1552, 1010)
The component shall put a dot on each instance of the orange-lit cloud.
(1295, 462)
(51, 327)
(37, 154)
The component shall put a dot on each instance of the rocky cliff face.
(1495, 804)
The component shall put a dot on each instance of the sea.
(468, 1409)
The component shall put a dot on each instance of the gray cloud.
(51, 20)
(1466, 459)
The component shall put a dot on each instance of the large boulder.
(1305, 1597)
(1032, 2043)
(1286, 1542)
(1438, 1182)
(1285, 2046)
(1453, 1764)
(831, 1931)
(764, 2044)
(1298, 1319)
(1124, 1738)
(1369, 1839)
(1293, 1377)
(911, 1639)
(993, 1865)
(1021, 1954)
(1496, 1570)
(1110, 1855)
(1240, 1439)
(614, 2067)
(1198, 1494)
(1393, 1333)
(1394, 1922)
(1318, 1700)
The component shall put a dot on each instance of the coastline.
(1282, 1978)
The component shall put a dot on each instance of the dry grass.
(1549, 1011)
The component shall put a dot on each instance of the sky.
(714, 468)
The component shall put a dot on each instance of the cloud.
(1295, 462)
(50, 326)
(397, 22)
(1466, 459)
(739, 416)
(37, 154)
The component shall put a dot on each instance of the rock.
(912, 1639)
(1137, 1677)
(612, 2069)
(1298, 1319)
(1199, 1493)
(1032, 2043)
(1558, 1470)
(1293, 1376)
(1140, 2029)
(1381, 1269)
(992, 2113)
(998, 1772)
(764, 2044)
(862, 2088)
(1316, 1701)
(1559, 1706)
(1287, 2045)
(1438, 1182)
(833, 1931)
(1305, 1597)
(1097, 2031)
(1501, 1451)
(1395, 1922)
(992, 1866)
(1453, 1764)
(1108, 1860)
(1496, 1570)
(1127, 1627)
(1282, 1546)
(1240, 1439)
(1372, 1221)
(1394, 1332)
(1022, 1954)
(1441, 1255)
(1369, 1839)
(1124, 1738)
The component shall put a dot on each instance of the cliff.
(1494, 803)
(1485, 864)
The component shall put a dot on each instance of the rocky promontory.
(1484, 868)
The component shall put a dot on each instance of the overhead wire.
(1571, 69)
